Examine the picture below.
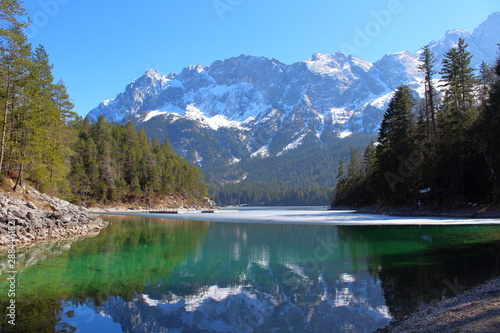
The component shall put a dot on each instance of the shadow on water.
(440, 261)
(153, 275)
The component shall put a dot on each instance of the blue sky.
(98, 46)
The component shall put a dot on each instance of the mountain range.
(242, 118)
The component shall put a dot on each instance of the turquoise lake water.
(148, 274)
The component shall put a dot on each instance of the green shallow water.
(162, 275)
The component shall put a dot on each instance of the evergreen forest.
(439, 151)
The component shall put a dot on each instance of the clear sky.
(98, 46)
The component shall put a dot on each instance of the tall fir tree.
(14, 63)
(395, 144)
(42, 138)
(427, 60)
(459, 82)
(457, 115)
(486, 81)
(369, 158)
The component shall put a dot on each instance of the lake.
(151, 274)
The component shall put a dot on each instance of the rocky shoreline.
(32, 216)
(475, 310)
(169, 202)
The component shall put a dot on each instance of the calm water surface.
(161, 275)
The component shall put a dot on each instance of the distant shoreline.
(478, 212)
(123, 209)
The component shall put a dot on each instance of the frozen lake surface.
(315, 215)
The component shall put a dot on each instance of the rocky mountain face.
(250, 107)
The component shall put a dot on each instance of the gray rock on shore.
(38, 216)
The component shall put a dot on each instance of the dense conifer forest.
(45, 144)
(443, 150)
(116, 163)
(301, 177)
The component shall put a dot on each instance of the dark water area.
(162, 275)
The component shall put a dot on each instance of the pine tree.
(486, 81)
(49, 137)
(459, 83)
(427, 67)
(35, 140)
(149, 176)
(395, 145)
(63, 102)
(353, 168)
(456, 117)
(36, 126)
(26, 120)
(369, 158)
(14, 64)
(340, 174)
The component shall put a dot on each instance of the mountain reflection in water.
(158, 275)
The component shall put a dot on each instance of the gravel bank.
(475, 310)
(34, 216)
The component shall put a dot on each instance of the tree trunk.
(19, 181)
(5, 117)
(20, 177)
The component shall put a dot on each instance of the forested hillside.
(440, 151)
(115, 163)
(43, 143)
(301, 177)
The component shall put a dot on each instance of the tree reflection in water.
(150, 275)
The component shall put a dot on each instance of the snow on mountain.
(154, 113)
(247, 106)
(215, 122)
(139, 96)
(249, 307)
(482, 42)
(486, 38)
(340, 67)
(440, 46)
(397, 68)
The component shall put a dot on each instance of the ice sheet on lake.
(316, 216)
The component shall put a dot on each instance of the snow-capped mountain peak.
(486, 34)
(248, 106)
(153, 74)
(336, 65)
